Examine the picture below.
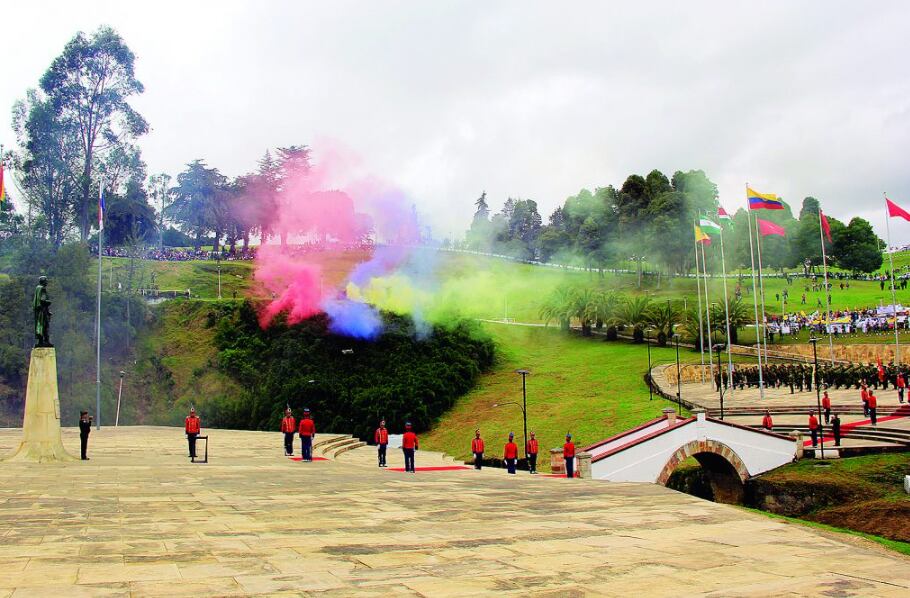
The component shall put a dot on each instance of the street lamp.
(524, 408)
(678, 378)
(821, 432)
(119, 396)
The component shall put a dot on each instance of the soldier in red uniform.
(477, 449)
(873, 408)
(289, 427)
(408, 447)
(826, 405)
(766, 422)
(381, 438)
(813, 428)
(510, 453)
(192, 426)
(532, 450)
(864, 395)
(568, 453)
(307, 433)
(901, 384)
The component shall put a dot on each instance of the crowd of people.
(174, 254)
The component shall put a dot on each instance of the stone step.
(328, 445)
(348, 446)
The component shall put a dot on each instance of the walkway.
(140, 520)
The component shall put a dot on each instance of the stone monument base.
(41, 441)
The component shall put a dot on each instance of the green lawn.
(588, 387)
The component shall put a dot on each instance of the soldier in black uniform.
(85, 428)
(835, 429)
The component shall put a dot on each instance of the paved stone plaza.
(140, 520)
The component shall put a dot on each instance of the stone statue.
(42, 307)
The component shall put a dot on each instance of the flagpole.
(897, 342)
(701, 336)
(821, 234)
(98, 317)
(723, 263)
(704, 272)
(761, 288)
(761, 383)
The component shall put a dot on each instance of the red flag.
(769, 228)
(825, 226)
(895, 211)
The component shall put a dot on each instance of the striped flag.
(763, 201)
(101, 207)
(701, 237)
(709, 226)
(722, 215)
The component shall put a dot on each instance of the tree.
(525, 225)
(49, 156)
(89, 85)
(479, 235)
(294, 166)
(159, 191)
(129, 218)
(810, 208)
(199, 201)
(857, 248)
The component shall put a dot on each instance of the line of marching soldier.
(799, 376)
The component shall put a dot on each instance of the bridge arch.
(725, 470)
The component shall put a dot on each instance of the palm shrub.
(633, 311)
(664, 318)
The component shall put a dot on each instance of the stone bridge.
(729, 453)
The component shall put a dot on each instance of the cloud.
(528, 99)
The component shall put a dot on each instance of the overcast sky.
(524, 99)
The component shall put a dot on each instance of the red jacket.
(289, 425)
(307, 427)
(381, 436)
(192, 424)
(409, 440)
(767, 423)
(901, 383)
(568, 450)
(864, 395)
(510, 451)
(873, 401)
(477, 445)
(532, 446)
(813, 423)
(826, 402)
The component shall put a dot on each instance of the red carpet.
(900, 412)
(314, 459)
(441, 468)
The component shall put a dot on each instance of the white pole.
(98, 322)
(821, 233)
(701, 328)
(897, 342)
(723, 263)
(761, 383)
(761, 289)
(119, 396)
(704, 272)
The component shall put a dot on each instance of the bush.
(399, 376)
(612, 333)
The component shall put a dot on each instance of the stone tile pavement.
(140, 520)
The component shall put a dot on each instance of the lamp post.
(119, 396)
(818, 400)
(650, 390)
(524, 407)
(678, 378)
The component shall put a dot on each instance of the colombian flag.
(763, 201)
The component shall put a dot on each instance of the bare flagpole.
(723, 263)
(761, 383)
(897, 342)
(701, 336)
(821, 233)
(98, 314)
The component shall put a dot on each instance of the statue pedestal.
(41, 440)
